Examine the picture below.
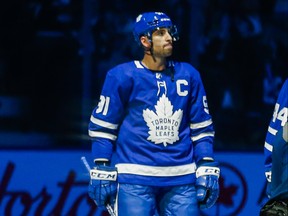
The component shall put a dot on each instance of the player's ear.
(145, 42)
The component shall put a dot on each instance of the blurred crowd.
(54, 56)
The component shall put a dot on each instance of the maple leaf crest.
(163, 124)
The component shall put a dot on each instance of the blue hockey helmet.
(148, 22)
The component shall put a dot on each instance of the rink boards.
(55, 182)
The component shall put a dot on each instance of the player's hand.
(268, 174)
(103, 185)
(207, 186)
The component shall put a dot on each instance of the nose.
(168, 36)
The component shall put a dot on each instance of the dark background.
(54, 56)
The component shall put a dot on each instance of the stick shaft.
(86, 163)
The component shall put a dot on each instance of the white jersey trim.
(201, 124)
(160, 171)
(103, 123)
(138, 64)
(102, 135)
(272, 130)
(200, 136)
(268, 147)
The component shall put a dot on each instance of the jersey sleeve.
(277, 121)
(108, 114)
(201, 124)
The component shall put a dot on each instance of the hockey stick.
(108, 206)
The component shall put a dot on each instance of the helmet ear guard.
(147, 23)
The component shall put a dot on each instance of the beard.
(164, 52)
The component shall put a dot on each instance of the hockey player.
(276, 158)
(152, 134)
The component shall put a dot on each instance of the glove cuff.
(104, 173)
(207, 170)
(102, 161)
(208, 167)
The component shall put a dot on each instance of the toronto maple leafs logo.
(163, 124)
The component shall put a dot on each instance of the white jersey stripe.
(160, 171)
(102, 135)
(272, 130)
(268, 147)
(103, 123)
(200, 136)
(138, 65)
(201, 124)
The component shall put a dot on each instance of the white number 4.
(281, 115)
(103, 105)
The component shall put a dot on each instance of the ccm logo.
(103, 175)
(212, 171)
(205, 170)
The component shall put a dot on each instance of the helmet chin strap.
(149, 37)
(151, 51)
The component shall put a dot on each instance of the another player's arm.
(277, 121)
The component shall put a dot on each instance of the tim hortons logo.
(45, 202)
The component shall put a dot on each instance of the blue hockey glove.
(103, 185)
(207, 186)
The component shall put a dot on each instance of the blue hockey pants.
(140, 200)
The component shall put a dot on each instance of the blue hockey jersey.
(155, 124)
(278, 120)
(275, 148)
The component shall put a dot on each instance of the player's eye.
(160, 32)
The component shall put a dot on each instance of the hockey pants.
(140, 200)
